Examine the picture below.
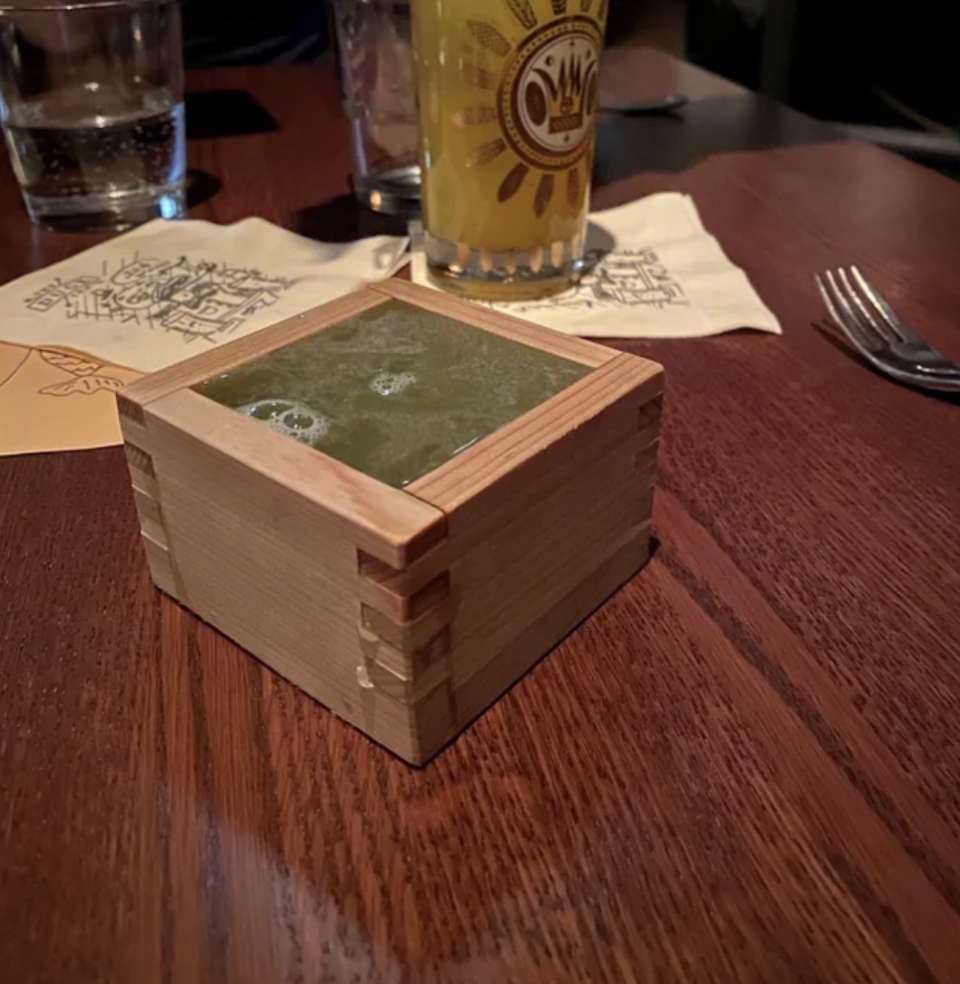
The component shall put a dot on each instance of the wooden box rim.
(397, 526)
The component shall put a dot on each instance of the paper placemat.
(53, 400)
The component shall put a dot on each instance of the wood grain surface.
(744, 768)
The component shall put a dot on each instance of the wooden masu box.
(407, 613)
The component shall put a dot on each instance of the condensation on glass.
(91, 103)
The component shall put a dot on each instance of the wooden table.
(746, 767)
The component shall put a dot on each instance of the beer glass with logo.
(507, 93)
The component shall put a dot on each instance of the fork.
(875, 330)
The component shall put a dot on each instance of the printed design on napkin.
(195, 298)
(619, 278)
(57, 400)
(82, 376)
(87, 377)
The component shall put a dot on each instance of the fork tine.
(827, 299)
(848, 325)
(852, 334)
(847, 319)
(880, 327)
(827, 296)
(885, 311)
(871, 345)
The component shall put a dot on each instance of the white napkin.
(168, 290)
(659, 274)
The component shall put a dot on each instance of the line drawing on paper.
(619, 278)
(86, 377)
(198, 299)
(82, 377)
(6, 379)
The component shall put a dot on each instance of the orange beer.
(508, 93)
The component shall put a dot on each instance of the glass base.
(395, 191)
(503, 275)
(107, 211)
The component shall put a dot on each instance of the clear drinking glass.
(378, 81)
(91, 103)
(508, 98)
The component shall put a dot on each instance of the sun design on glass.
(544, 97)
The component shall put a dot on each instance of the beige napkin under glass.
(658, 273)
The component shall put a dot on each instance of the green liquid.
(396, 391)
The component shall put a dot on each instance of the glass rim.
(73, 6)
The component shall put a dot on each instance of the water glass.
(91, 104)
(378, 81)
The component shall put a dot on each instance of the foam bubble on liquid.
(391, 383)
(290, 418)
